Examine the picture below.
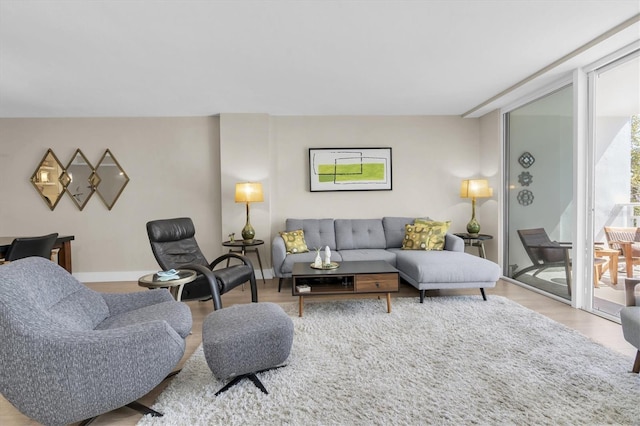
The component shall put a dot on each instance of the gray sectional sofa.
(381, 239)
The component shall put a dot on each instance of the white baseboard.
(92, 277)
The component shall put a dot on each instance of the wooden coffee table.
(357, 277)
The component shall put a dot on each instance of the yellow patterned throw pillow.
(294, 241)
(425, 235)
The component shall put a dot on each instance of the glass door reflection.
(540, 193)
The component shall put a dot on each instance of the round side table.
(475, 241)
(175, 285)
(242, 247)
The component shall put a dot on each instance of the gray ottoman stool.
(243, 340)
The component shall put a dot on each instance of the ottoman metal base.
(250, 376)
(243, 340)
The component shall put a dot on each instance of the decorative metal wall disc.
(525, 197)
(525, 178)
(526, 160)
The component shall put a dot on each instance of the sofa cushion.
(394, 230)
(445, 267)
(359, 234)
(294, 241)
(369, 254)
(318, 233)
(425, 235)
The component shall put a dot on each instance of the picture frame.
(350, 169)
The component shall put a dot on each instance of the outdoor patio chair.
(544, 253)
(627, 240)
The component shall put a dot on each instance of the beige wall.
(429, 154)
(189, 167)
(173, 167)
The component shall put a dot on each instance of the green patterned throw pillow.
(425, 235)
(294, 241)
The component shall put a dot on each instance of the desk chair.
(31, 246)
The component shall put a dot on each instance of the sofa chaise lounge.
(381, 239)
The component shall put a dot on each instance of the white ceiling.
(78, 58)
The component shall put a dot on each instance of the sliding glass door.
(615, 90)
(539, 194)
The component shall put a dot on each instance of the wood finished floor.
(603, 331)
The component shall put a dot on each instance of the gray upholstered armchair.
(69, 353)
(630, 319)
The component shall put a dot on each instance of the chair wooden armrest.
(554, 245)
(627, 252)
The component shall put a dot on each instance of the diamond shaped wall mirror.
(111, 179)
(46, 179)
(79, 179)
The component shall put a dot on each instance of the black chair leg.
(279, 284)
(143, 409)
(254, 289)
(422, 293)
(484, 296)
(135, 405)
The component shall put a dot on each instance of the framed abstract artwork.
(349, 169)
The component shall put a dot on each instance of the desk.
(477, 241)
(174, 285)
(63, 243)
(240, 246)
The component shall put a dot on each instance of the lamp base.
(248, 233)
(473, 227)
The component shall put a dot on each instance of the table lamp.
(475, 188)
(248, 192)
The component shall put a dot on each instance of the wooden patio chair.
(627, 240)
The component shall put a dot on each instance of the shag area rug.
(452, 360)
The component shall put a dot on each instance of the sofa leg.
(422, 292)
(279, 284)
(636, 364)
(484, 296)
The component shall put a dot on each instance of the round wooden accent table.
(175, 285)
